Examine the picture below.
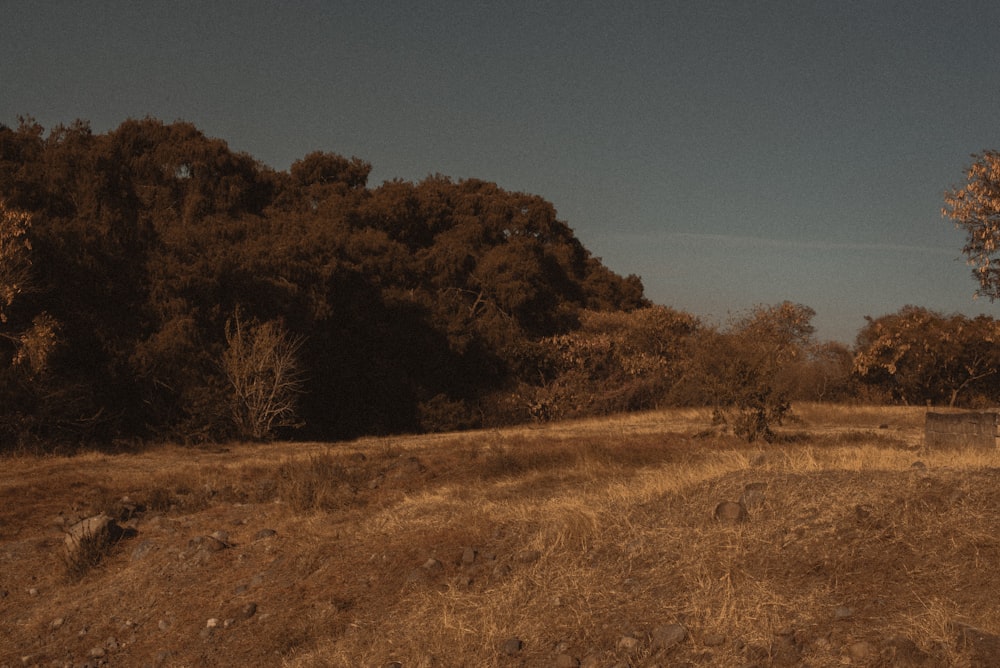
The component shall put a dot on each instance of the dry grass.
(434, 551)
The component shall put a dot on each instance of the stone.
(567, 661)
(101, 528)
(265, 533)
(512, 646)
(142, 549)
(983, 647)
(730, 512)
(901, 652)
(432, 565)
(669, 636)
(843, 612)
(56, 623)
(860, 651)
(627, 644)
(529, 556)
(753, 494)
(713, 639)
(248, 610)
(469, 556)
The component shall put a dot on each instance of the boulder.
(94, 531)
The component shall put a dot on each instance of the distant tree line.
(155, 285)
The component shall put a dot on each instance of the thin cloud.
(789, 244)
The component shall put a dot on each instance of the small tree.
(741, 369)
(261, 364)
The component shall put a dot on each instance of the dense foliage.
(155, 284)
(125, 254)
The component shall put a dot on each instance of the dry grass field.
(589, 543)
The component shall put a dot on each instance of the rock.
(142, 549)
(529, 556)
(126, 509)
(33, 591)
(669, 636)
(248, 610)
(96, 653)
(753, 494)
(843, 612)
(222, 537)
(567, 661)
(468, 556)
(730, 512)
(265, 533)
(713, 639)
(627, 644)
(207, 544)
(512, 646)
(901, 652)
(983, 647)
(860, 651)
(918, 466)
(432, 565)
(97, 530)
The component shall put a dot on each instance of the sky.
(730, 153)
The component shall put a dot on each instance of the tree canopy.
(140, 243)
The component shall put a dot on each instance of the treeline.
(156, 285)
(417, 305)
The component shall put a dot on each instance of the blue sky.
(730, 153)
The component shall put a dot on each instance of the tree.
(918, 355)
(616, 361)
(260, 361)
(15, 256)
(975, 207)
(741, 370)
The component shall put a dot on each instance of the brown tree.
(918, 355)
(15, 256)
(741, 369)
(975, 207)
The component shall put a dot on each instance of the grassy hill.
(594, 543)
